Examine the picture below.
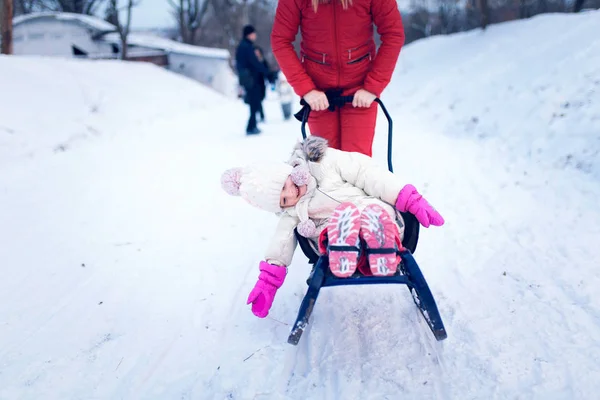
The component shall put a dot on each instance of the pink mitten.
(270, 279)
(409, 200)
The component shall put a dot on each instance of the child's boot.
(343, 241)
(380, 234)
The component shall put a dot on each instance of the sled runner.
(408, 272)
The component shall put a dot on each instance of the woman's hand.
(317, 100)
(362, 98)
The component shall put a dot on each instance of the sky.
(152, 14)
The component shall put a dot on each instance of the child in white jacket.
(343, 202)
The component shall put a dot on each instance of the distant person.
(338, 54)
(262, 81)
(286, 96)
(251, 72)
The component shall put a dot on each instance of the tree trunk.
(123, 48)
(485, 13)
(6, 25)
(199, 22)
(125, 30)
(578, 5)
(182, 25)
(245, 13)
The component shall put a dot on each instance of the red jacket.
(337, 49)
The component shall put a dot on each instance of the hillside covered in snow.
(125, 268)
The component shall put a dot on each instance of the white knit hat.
(259, 185)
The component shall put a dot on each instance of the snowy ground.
(122, 278)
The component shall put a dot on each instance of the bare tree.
(6, 16)
(228, 17)
(485, 13)
(191, 15)
(89, 7)
(245, 13)
(449, 16)
(123, 29)
(27, 6)
(218, 23)
(578, 5)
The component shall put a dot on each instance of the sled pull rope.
(341, 101)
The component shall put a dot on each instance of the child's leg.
(381, 236)
(326, 124)
(343, 241)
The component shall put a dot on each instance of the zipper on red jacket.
(335, 43)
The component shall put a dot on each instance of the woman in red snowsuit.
(338, 52)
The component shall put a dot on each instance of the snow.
(156, 42)
(88, 20)
(125, 268)
(95, 99)
(542, 83)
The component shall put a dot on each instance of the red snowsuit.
(338, 52)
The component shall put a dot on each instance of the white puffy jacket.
(340, 177)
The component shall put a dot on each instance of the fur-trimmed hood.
(311, 149)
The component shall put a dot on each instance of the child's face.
(291, 193)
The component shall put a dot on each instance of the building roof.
(158, 43)
(87, 20)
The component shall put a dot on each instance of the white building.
(83, 36)
(60, 34)
(207, 65)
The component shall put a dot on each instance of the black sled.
(408, 272)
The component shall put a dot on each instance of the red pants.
(347, 129)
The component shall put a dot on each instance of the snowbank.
(54, 104)
(528, 89)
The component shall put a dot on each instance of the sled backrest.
(411, 232)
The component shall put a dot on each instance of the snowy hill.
(123, 278)
(529, 97)
(55, 104)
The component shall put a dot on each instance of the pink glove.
(270, 279)
(410, 200)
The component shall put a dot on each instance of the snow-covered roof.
(159, 43)
(87, 20)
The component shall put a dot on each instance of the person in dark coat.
(251, 73)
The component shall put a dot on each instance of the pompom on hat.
(259, 185)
